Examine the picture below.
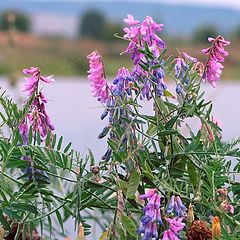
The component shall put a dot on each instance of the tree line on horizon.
(93, 24)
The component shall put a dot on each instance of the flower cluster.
(97, 77)
(152, 215)
(175, 224)
(147, 80)
(139, 35)
(37, 116)
(216, 54)
(122, 83)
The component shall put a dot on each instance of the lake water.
(76, 114)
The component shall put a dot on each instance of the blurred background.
(57, 35)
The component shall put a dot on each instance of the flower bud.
(190, 215)
(216, 229)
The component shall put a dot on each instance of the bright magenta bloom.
(97, 77)
(216, 54)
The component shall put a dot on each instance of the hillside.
(61, 56)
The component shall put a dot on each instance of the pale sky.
(225, 3)
(235, 4)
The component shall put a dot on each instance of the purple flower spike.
(189, 58)
(178, 66)
(152, 215)
(169, 235)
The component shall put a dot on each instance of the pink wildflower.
(31, 84)
(97, 77)
(225, 205)
(138, 34)
(216, 54)
(37, 116)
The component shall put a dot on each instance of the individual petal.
(130, 20)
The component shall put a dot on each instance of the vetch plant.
(154, 181)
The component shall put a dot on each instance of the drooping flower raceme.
(152, 215)
(97, 77)
(122, 83)
(139, 34)
(216, 54)
(37, 116)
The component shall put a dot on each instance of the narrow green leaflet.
(129, 225)
(133, 184)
